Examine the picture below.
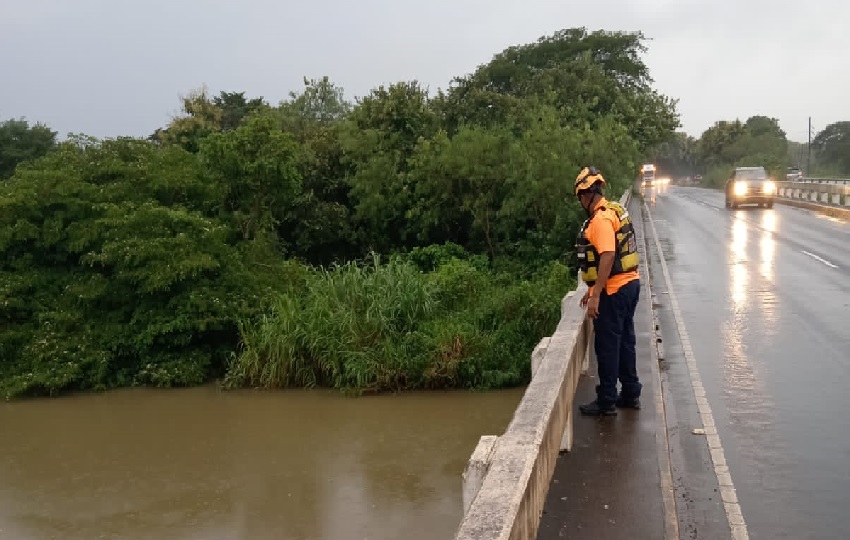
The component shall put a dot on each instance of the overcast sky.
(115, 67)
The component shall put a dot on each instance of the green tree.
(203, 116)
(381, 135)
(319, 228)
(832, 147)
(464, 181)
(234, 107)
(256, 165)
(718, 145)
(21, 142)
(319, 104)
(180, 258)
(677, 157)
(585, 75)
(757, 142)
(115, 271)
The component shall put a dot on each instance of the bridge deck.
(609, 485)
(619, 479)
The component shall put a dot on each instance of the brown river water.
(202, 464)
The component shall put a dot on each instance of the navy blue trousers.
(615, 340)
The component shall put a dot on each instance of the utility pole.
(809, 151)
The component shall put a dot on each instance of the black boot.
(594, 409)
(628, 403)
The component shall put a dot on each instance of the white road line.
(819, 259)
(728, 495)
(668, 491)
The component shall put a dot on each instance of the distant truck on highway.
(647, 174)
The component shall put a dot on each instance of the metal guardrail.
(805, 180)
(507, 478)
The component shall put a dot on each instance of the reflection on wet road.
(765, 296)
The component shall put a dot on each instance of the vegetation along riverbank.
(406, 239)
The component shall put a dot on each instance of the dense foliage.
(401, 241)
(757, 142)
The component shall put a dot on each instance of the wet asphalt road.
(765, 298)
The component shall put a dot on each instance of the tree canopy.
(403, 240)
(20, 142)
(758, 141)
(832, 148)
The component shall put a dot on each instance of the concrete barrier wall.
(831, 198)
(507, 478)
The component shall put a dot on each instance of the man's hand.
(591, 302)
(593, 307)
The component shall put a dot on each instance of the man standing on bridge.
(608, 261)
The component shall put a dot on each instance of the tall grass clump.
(372, 327)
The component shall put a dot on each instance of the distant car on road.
(750, 185)
(793, 174)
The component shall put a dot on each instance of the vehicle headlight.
(769, 187)
(740, 188)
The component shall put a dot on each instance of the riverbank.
(414, 322)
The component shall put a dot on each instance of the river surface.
(201, 464)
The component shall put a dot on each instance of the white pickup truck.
(793, 174)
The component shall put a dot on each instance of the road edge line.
(665, 465)
(728, 495)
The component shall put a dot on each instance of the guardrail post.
(476, 469)
(538, 354)
(589, 349)
(567, 437)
